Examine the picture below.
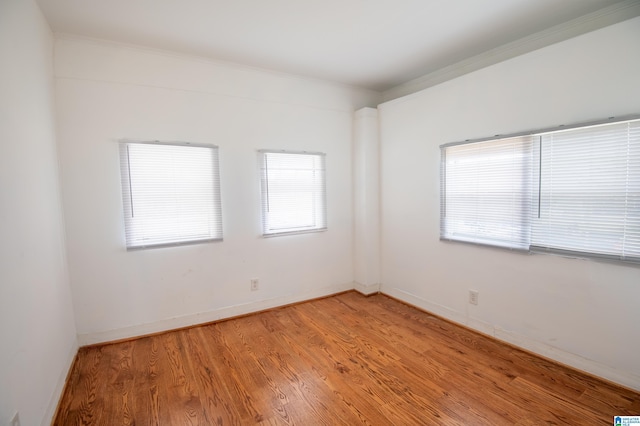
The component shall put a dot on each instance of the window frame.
(213, 212)
(319, 210)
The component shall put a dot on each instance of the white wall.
(580, 312)
(37, 333)
(106, 91)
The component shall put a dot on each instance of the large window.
(293, 192)
(573, 191)
(171, 193)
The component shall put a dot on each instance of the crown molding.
(610, 15)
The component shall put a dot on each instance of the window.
(575, 191)
(590, 191)
(293, 192)
(487, 192)
(171, 193)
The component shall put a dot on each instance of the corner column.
(366, 190)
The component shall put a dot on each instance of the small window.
(171, 193)
(293, 192)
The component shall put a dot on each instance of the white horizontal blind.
(590, 191)
(293, 192)
(486, 192)
(171, 193)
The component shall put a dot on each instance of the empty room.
(319, 212)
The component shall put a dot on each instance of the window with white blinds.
(574, 192)
(486, 192)
(293, 192)
(171, 193)
(590, 191)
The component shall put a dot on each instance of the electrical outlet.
(15, 420)
(473, 297)
(254, 284)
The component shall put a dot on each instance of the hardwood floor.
(343, 360)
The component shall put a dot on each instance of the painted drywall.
(106, 92)
(37, 328)
(581, 312)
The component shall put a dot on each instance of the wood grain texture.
(342, 360)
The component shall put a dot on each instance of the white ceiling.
(376, 44)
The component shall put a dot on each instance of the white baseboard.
(623, 378)
(366, 289)
(85, 339)
(57, 393)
